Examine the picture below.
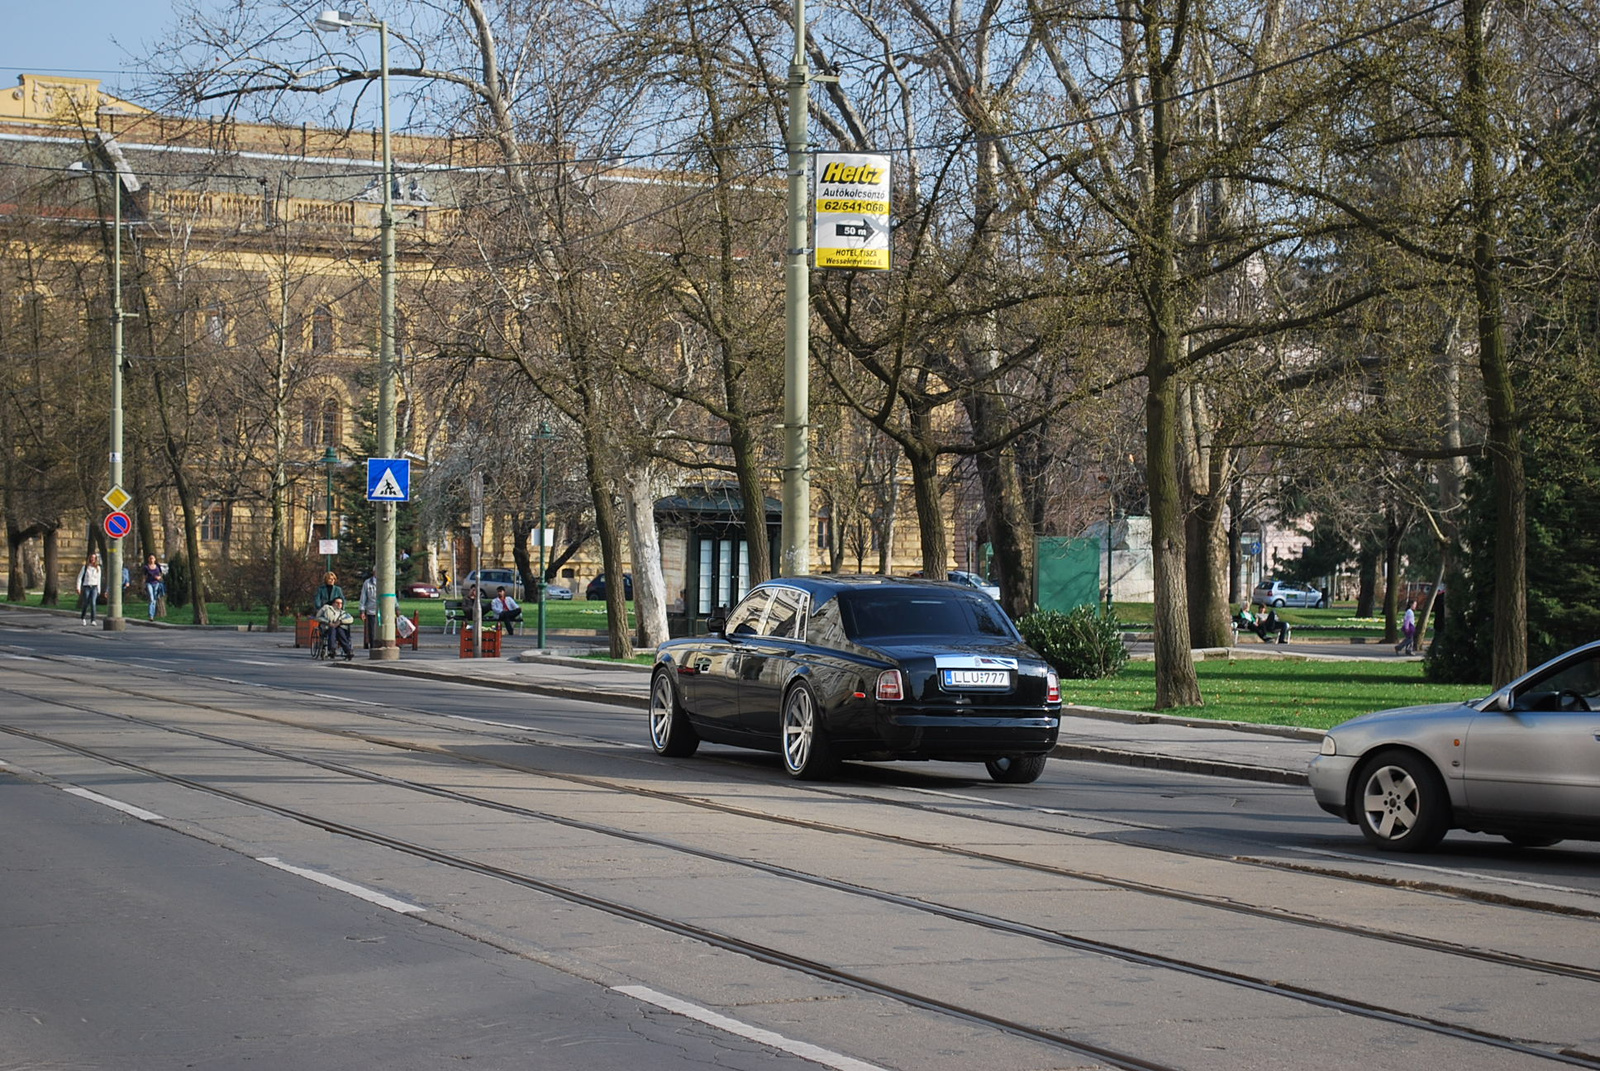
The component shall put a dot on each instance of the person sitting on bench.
(506, 611)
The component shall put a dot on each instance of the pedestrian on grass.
(88, 590)
(155, 584)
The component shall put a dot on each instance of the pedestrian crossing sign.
(388, 479)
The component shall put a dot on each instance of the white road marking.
(1440, 870)
(344, 699)
(116, 805)
(805, 1051)
(255, 662)
(345, 887)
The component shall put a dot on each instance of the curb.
(1172, 764)
(1139, 717)
(555, 691)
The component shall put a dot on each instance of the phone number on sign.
(871, 208)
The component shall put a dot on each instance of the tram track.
(779, 957)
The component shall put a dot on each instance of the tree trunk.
(1367, 573)
(1394, 531)
(649, 586)
(930, 517)
(1504, 439)
(52, 567)
(607, 528)
(1176, 683)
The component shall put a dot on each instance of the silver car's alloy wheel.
(1403, 804)
(670, 731)
(806, 754)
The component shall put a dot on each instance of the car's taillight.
(890, 687)
(1052, 687)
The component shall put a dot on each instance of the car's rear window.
(888, 615)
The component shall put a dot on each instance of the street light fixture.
(384, 647)
(120, 179)
(330, 458)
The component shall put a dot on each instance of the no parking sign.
(118, 525)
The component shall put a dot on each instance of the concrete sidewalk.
(1273, 754)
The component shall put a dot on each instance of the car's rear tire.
(1532, 840)
(1322, 603)
(1277, 602)
(1016, 769)
(807, 753)
(1400, 802)
(670, 732)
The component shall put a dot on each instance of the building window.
(332, 418)
(215, 325)
(322, 330)
(212, 523)
(309, 423)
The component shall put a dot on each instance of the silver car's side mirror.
(1499, 702)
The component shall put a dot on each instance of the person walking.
(155, 584)
(329, 591)
(1408, 630)
(88, 590)
(369, 608)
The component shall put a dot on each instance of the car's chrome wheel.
(1016, 769)
(1401, 803)
(670, 731)
(806, 753)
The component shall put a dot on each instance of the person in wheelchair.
(335, 623)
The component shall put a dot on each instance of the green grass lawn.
(1314, 695)
(558, 615)
(1336, 622)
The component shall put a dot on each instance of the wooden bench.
(491, 642)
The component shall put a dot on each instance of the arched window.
(332, 417)
(309, 423)
(322, 330)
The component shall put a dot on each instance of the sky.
(82, 38)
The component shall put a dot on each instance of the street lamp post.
(543, 437)
(384, 647)
(114, 619)
(330, 458)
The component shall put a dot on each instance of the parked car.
(821, 669)
(597, 587)
(1287, 593)
(557, 593)
(973, 580)
(509, 579)
(1523, 763)
(419, 590)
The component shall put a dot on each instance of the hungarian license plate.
(976, 678)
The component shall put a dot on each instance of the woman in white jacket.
(88, 589)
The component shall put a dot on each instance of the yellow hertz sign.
(852, 211)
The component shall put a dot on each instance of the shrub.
(178, 580)
(1080, 644)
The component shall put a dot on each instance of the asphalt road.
(551, 848)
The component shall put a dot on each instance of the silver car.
(1523, 763)
(1287, 593)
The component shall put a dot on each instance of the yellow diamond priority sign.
(116, 498)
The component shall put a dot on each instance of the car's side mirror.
(717, 624)
(1500, 703)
